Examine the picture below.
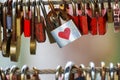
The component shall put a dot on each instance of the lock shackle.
(100, 7)
(74, 7)
(38, 10)
(52, 8)
(109, 4)
(103, 71)
(82, 2)
(93, 7)
(27, 8)
(87, 4)
(66, 6)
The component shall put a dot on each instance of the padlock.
(83, 21)
(111, 71)
(59, 75)
(92, 71)
(69, 71)
(93, 19)
(103, 71)
(109, 12)
(4, 46)
(27, 25)
(116, 16)
(39, 25)
(18, 19)
(50, 37)
(75, 16)
(32, 39)
(101, 19)
(65, 33)
(13, 45)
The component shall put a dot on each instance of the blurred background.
(82, 51)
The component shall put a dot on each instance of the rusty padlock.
(39, 25)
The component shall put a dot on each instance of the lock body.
(101, 25)
(66, 33)
(27, 26)
(110, 15)
(93, 26)
(40, 32)
(83, 24)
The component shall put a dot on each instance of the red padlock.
(101, 20)
(93, 26)
(27, 28)
(27, 21)
(93, 19)
(39, 25)
(83, 21)
(101, 25)
(74, 16)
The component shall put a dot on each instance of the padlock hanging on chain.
(62, 33)
(39, 25)
(19, 19)
(92, 18)
(109, 12)
(101, 18)
(27, 14)
(33, 43)
(116, 16)
(83, 20)
(74, 15)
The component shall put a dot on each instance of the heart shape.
(65, 34)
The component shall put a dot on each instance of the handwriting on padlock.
(65, 34)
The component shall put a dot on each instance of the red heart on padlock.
(65, 34)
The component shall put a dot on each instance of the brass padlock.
(13, 46)
(32, 39)
(18, 19)
(5, 53)
(109, 12)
